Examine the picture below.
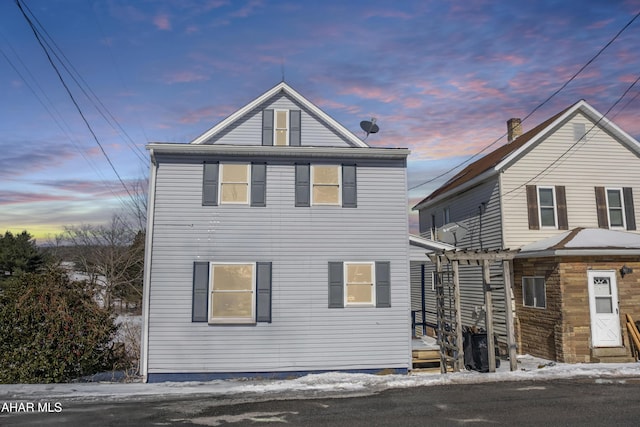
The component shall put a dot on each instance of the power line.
(589, 62)
(75, 103)
(93, 98)
(557, 159)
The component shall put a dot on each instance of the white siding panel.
(598, 161)
(304, 334)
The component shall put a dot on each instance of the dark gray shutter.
(199, 311)
(336, 285)
(383, 284)
(210, 184)
(263, 292)
(532, 207)
(561, 200)
(294, 128)
(258, 184)
(629, 211)
(601, 208)
(349, 190)
(303, 183)
(267, 127)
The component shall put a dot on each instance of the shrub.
(52, 330)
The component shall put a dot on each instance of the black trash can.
(476, 351)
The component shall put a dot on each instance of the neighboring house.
(575, 173)
(276, 245)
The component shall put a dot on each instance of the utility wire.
(94, 98)
(557, 159)
(75, 103)
(536, 108)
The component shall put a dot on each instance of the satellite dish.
(451, 233)
(369, 126)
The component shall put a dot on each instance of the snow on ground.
(335, 383)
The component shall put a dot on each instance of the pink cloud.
(206, 113)
(599, 24)
(367, 92)
(162, 22)
(247, 10)
(14, 197)
(184, 77)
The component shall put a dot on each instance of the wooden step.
(426, 354)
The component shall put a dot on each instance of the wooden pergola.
(483, 258)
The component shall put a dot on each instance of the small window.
(434, 280)
(232, 293)
(281, 130)
(534, 292)
(615, 208)
(433, 227)
(325, 184)
(446, 214)
(234, 183)
(547, 206)
(359, 279)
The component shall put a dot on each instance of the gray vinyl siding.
(599, 160)
(314, 133)
(483, 232)
(416, 291)
(304, 334)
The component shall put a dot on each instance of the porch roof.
(584, 241)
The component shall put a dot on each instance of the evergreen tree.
(18, 254)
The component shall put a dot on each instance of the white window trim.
(555, 206)
(544, 288)
(622, 207)
(373, 284)
(312, 183)
(220, 182)
(275, 128)
(232, 320)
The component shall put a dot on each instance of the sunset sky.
(440, 77)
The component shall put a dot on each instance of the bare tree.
(112, 256)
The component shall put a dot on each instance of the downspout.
(144, 339)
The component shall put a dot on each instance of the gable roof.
(285, 88)
(504, 156)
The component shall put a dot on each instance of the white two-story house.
(563, 195)
(276, 246)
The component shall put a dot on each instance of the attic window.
(281, 129)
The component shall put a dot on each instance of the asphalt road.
(541, 403)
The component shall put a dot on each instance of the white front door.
(603, 305)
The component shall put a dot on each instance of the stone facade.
(562, 330)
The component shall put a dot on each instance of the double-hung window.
(281, 129)
(359, 284)
(326, 185)
(232, 291)
(234, 183)
(534, 292)
(547, 206)
(359, 279)
(615, 208)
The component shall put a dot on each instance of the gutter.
(578, 252)
(281, 152)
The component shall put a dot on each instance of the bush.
(52, 330)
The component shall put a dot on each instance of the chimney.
(514, 129)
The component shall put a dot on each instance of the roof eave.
(278, 151)
(579, 252)
(459, 189)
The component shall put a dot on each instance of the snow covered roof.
(585, 241)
